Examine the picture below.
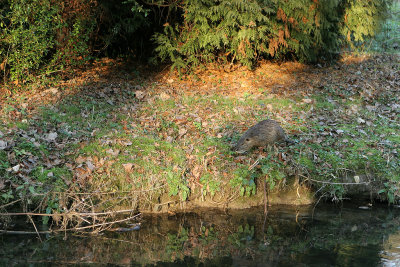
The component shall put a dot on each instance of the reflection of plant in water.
(208, 235)
(242, 236)
(175, 243)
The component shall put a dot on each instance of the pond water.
(329, 235)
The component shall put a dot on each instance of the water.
(289, 236)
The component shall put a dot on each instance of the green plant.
(244, 31)
(272, 171)
(177, 184)
(244, 180)
(210, 185)
(52, 204)
(7, 196)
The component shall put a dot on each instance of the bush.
(245, 31)
(42, 36)
(27, 35)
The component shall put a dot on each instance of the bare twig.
(334, 183)
(25, 232)
(9, 204)
(103, 224)
(34, 226)
(265, 195)
(67, 213)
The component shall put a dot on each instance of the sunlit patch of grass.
(164, 105)
(54, 175)
(22, 125)
(321, 102)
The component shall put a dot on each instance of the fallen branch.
(102, 224)
(334, 183)
(11, 203)
(34, 225)
(25, 232)
(68, 229)
(67, 214)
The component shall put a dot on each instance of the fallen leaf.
(3, 145)
(2, 184)
(81, 173)
(163, 96)
(139, 94)
(196, 171)
(113, 152)
(51, 137)
(128, 167)
(57, 162)
(90, 165)
(36, 144)
(80, 160)
(182, 132)
(360, 120)
(127, 143)
(16, 168)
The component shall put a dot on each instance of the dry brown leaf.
(80, 160)
(140, 94)
(3, 145)
(2, 184)
(182, 131)
(196, 171)
(128, 167)
(113, 152)
(90, 165)
(51, 137)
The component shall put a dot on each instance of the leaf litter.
(341, 106)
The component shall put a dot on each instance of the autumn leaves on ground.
(115, 136)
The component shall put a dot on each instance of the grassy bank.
(115, 136)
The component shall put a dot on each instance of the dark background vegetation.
(39, 37)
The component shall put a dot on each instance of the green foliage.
(387, 38)
(27, 35)
(43, 36)
(272, 171)
(244, 31)
(242, 236)
(362, 19)
(76, 50)
(52, 205)
(39, 37)
(215, 31)
(244, 180)
(177, 184)
(211, 185)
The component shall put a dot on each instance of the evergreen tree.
(243, 31)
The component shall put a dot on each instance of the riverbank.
(115, 135)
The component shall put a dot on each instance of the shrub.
(245, 31)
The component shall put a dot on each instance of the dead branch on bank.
(95, 228)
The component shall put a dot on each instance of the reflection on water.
(391, 250)
(288, 236)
